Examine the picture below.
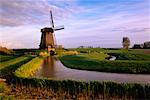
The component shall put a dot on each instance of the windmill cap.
(46, 29)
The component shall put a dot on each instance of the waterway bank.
(54, 69)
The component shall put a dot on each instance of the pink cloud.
(21, 21)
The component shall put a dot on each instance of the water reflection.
(53, 68)
(47, 68)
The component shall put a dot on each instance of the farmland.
(74, 50)
(28, 69)
(23, 85)
(11, 62)
(8, 67)
(6, 57)
(95, 60)
(84, 63)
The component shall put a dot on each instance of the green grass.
(95, 55)
(105, 50)
(141, 51)
(121, 54)
(131, 56)
(23, 76)
(127, 61)
(6, 57)
(9, 70)
(22, 51)
(88, 50)
(78, 62)
(12, 62)
(29, 68)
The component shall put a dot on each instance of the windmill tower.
(47, 37)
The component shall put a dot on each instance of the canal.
(54, 69)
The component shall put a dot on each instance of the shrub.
(3, 87)
(93, 88)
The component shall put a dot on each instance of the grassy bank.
(26, 87)
(73, 89)
(8, 71)
(121, 54)
(6, 57)
(12, 62)
(78, 62)
(29, 68)
(131, 56)
(90, 90)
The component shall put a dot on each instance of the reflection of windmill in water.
(47, 38)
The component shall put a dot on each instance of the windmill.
(48, 41)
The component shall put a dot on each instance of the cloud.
(100, 24)
(25, 12)
(109, 24)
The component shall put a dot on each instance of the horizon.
(97, 23)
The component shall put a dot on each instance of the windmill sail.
(51, 19)
(58, 28)
(48, 40)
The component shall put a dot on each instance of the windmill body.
(47, 37)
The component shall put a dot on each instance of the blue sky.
(101, 23)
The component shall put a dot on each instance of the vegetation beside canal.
(131, 56)
(29, 68)
(8, 71)
(84, 63)
(6, 57)
(24, 86)
(12, 61)
(62, 52)
(69, 89)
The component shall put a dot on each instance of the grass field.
(131, 56)
(121, 54)
(12, 61)
(78, 62)
(95, 55)
(29, 68)
(110, 50)
(6, 57)
(94, 59)
(24, 86)
(10, 68)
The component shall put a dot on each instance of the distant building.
(141, 46)
(147, 44)
(81, 47)
(138, 46)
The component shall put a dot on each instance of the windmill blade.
(51, 19)
(55, 42)
(58, 28)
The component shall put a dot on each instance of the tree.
(126, 43)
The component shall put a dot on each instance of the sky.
(97, 23)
